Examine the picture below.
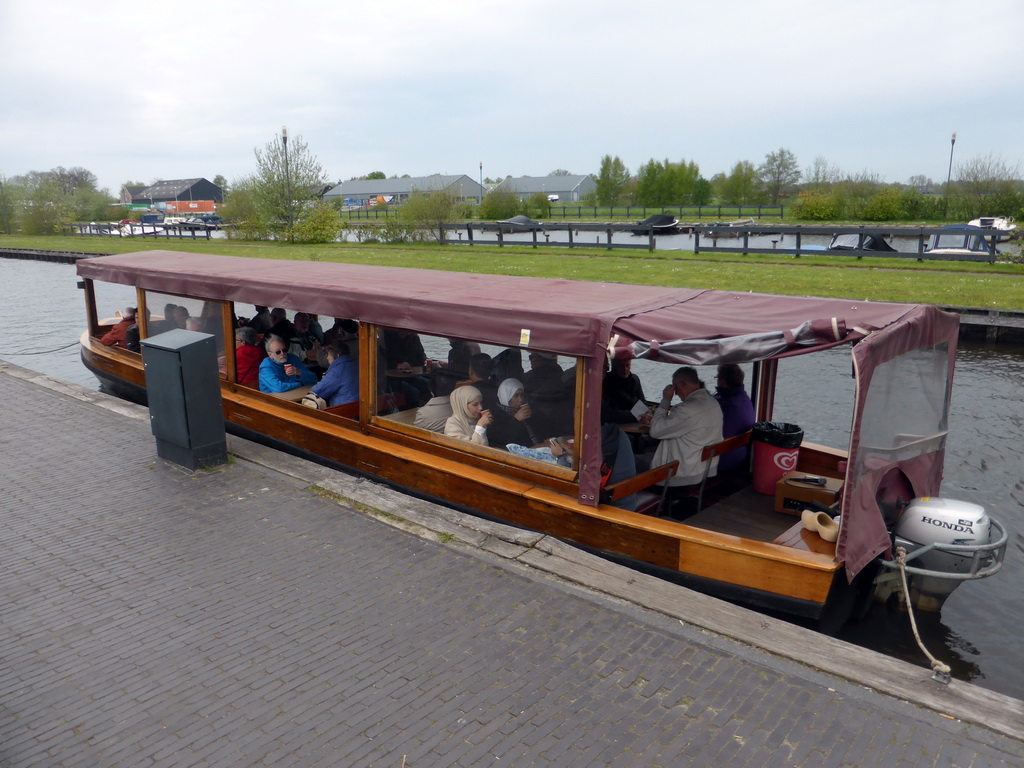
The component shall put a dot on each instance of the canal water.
(979, 632)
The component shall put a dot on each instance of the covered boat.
(515, 224)
(859, 242)
(964, 242)
(658, 224)
(739, 546)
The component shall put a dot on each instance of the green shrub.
(886, 205)
(816, 206)
(500, 204)
(321, 225)
(538, 206)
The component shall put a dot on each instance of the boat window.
(905, 411)
(167, 311)
(530, 394)
(111, 300)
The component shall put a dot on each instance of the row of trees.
(667, 183)
(40, 202)
(981, 186)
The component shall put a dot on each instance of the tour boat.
(738, 546)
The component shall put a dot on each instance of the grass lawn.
(997, 286)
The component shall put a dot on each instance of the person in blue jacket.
(340, 384)
(281, 372)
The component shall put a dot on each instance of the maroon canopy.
(565, 316)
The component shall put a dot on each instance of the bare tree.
(821, 174)
(778, 173)
(982, 183)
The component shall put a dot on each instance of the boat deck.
(751, 515)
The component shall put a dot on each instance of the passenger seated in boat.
(280, 325)
(551, 392)
(508, 364)
(282, 372)
(737, 413)
(261, 321)
(683, 431)
(248, 356)
(512, 418)
(435, 413)
(469, 420)
(118, 335)
(306, 340)
(181, 317)
(621, 390)
(404, 352)
(345, 330)
(340, 384)
(166, 324)
(480, 366)
(617, 462)
(460, 353)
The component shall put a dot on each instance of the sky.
(137, 91)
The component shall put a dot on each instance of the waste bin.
(776, 445)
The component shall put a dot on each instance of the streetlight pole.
(481, 182)
(949, 176)
(287, 178)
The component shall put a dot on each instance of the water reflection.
(979, 632)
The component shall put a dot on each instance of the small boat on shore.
(513, 225)
(658, 224)
(727, 228)
(743, 543)
(1005, 224)
(962, 242)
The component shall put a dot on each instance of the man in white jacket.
(683, 431)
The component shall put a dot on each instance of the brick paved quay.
(153, 617)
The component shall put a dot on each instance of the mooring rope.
(940, 671)
(41, 351)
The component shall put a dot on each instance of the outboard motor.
(947, 541)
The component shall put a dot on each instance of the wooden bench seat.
(407, 416)
(648, 503)
(346, 410)
(710, 452)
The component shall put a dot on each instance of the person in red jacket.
(248, 356)
(118, 335)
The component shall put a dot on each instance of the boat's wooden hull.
(796, 579)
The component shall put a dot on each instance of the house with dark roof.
(363, 191)
(180, 195)
(128, 192)
(569, 189)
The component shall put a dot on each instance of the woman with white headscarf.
(469, 420)
(512, 417)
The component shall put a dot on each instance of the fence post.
(469, 230)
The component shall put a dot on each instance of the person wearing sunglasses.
(281, 371)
